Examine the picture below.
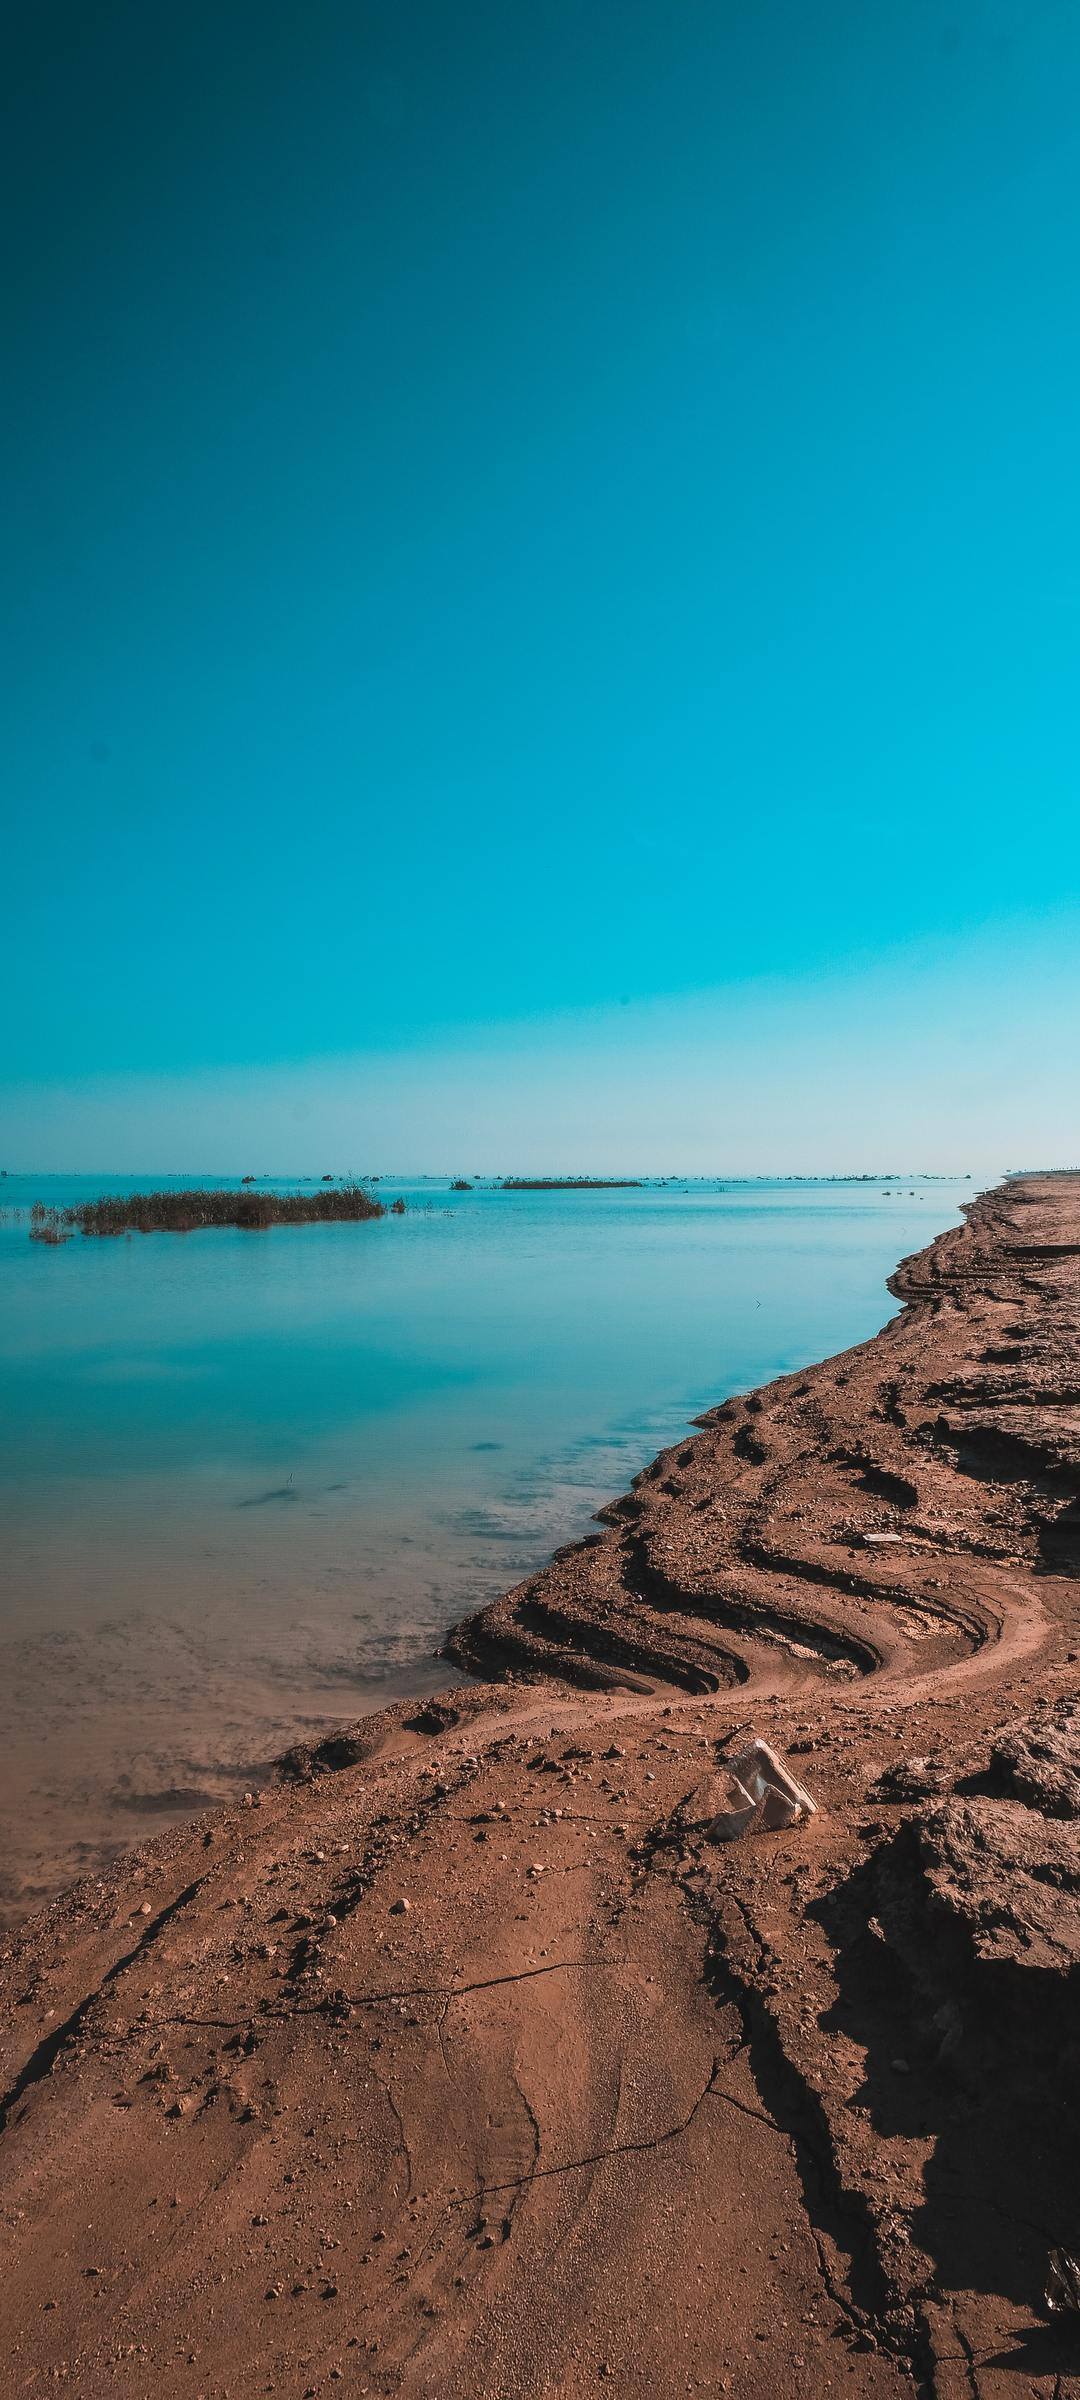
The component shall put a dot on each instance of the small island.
(191, 1212)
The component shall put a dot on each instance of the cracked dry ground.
(606, 2105)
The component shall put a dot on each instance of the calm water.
(248, 1480)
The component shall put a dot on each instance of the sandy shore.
(462, 2062)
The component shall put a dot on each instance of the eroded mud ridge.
(864, 1516)
(463, 2061)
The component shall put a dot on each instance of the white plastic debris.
(761, 1794)
(1063, 2283)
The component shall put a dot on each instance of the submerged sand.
(461, 2060)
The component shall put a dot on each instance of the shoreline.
(565, 2062)
(208, 1563)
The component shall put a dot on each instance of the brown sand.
(463, 2063)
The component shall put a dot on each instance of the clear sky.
(542, 584)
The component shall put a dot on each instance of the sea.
(249, 1479)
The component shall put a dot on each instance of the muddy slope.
(463, 2062)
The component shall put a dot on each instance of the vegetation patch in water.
(190, 1212)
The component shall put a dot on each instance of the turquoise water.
(248, 1480)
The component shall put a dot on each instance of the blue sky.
(523, 521)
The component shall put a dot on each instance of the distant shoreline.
(572, 1183)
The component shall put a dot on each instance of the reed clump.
(45, 1226)
(191, 1212)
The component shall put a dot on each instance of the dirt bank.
(462, 2062)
